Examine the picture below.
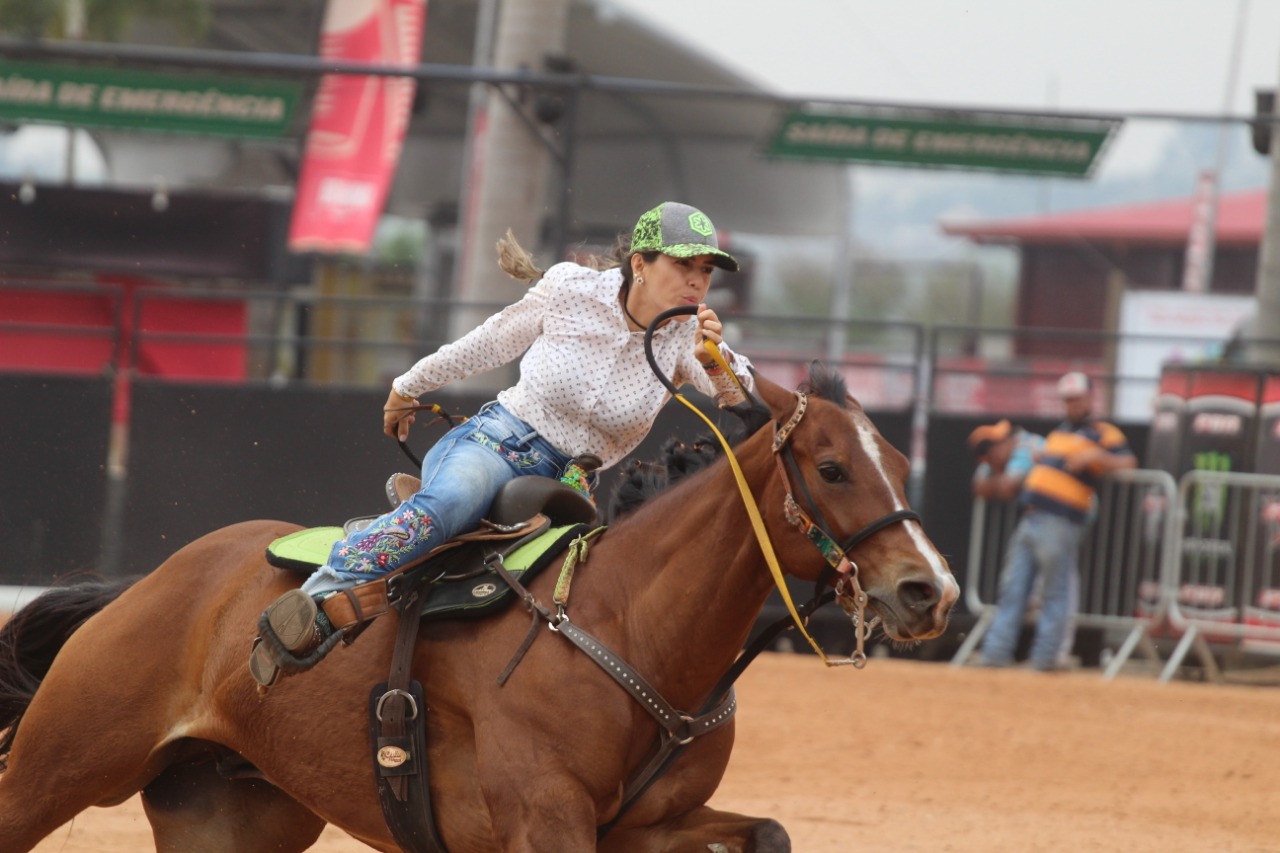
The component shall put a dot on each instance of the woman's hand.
(398, 416)
(709, 329)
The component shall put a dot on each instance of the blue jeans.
(461, 475)
(1047, 545)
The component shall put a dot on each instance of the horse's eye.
(832, 473)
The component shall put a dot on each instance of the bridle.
(849, 593)
(810, 522)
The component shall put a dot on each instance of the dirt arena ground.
(908, 756)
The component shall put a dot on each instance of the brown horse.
(152, 693)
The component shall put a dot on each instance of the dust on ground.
(913, 756)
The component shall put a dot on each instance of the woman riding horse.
(105, 693)
(584, 390)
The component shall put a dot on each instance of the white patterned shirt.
(585, 384)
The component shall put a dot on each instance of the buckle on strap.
(403, 694)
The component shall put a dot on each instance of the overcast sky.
(1111, 55)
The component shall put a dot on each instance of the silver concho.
(483, 590)
(392, 756)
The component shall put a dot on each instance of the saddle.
(529, 521)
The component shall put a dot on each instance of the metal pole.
(842, 280)
(1200, 276)
(301, 65)
(513, 181)
(1267, 287)
(559, 240)
(472, 160)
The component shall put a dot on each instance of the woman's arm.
(498, 340)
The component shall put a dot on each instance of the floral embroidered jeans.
(461, 475)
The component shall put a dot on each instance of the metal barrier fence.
(1197, 561)
(1125, 584)
(1228, 574)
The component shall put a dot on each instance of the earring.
(640, 279)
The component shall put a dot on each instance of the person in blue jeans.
(585, 387)
(1055, 499)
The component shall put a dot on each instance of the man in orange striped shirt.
(1056, 500)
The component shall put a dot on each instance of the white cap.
(1074, 384)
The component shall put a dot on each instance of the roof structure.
(1241, 219)
(628, 144)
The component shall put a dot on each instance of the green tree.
(103, 20)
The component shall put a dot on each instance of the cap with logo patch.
(680, 231)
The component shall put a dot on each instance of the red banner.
(357, 125)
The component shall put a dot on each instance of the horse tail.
(32, 638)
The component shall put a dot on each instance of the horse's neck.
(696, 580)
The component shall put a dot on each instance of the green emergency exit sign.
(146, 100)
(1063, 149)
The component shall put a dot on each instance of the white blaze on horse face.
(867, 435)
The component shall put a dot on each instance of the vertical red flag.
(358, 124)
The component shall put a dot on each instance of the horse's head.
(845, 495)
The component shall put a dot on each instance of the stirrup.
(264, 670)
(290, 638)
(292, 618)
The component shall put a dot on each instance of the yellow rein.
(753, 512)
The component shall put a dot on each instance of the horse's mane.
(826, 383)
(643, 480)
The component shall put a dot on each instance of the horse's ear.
(779, 400)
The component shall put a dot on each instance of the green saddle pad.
(304, 550)
(476, 595)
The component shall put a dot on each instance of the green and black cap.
(680, 231)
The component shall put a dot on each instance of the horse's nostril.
(918, 595)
